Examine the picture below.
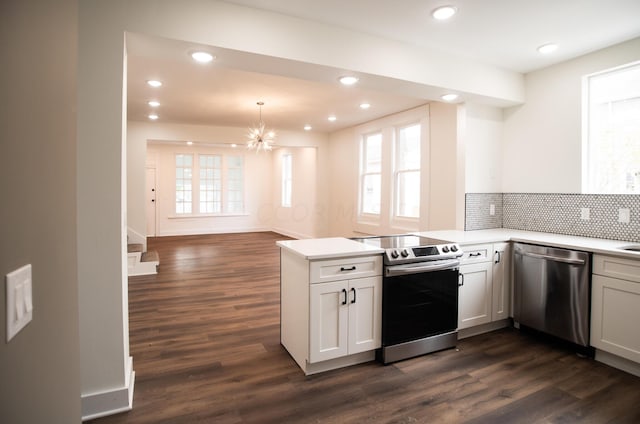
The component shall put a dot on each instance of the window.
(184, 176)
(210, 184)
(407, 172)
(371, 174)
(286, 181)
(235, 180)
(611, 163)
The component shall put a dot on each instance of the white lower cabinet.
(485, 285)
(331, 310)
(344, 318)
(615, 306)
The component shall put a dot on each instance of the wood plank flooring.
(204, 335)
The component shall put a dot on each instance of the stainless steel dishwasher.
(552, 291)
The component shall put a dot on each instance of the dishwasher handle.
(553, 258)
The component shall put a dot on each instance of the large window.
(210, 184)
(371, 174)
(184, 183)
(612, 131)
(235, 184)
(407, 172)
(287, 178)
(214, 183)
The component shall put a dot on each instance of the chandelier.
(259, 137)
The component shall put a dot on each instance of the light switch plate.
(624, 215)
(19, 300)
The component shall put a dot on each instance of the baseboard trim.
(483, 328)
(618, 362)
(292, 234)
(136, 237)
(101, 404)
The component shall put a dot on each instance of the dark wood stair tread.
(134, 247)
(151, 256)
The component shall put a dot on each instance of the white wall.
(39, 367)
(483, 145)
(542, 138)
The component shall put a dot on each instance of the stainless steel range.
(419, 295)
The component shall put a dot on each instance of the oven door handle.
(392, 271)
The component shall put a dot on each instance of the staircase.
(141, 263)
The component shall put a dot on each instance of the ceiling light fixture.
(259, 137)
(153, 116)
(365, 106)
(449, 97)
(202, 57)
(308, 127)
(332, 118)
(348, 80)
(547, 48)
(154, 83)
(189, 143)
(153, 103)
(444, 12)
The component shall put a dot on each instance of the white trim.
(291, 234)
(207, 215)
(136, 237)
(101, 404)
(618, 362)
(203, 231)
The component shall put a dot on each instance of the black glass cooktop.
(400, 241)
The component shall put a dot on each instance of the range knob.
(404, 253)
(445, 249)
(394, 254)
(454, 248)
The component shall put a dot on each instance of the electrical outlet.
(585, 214)
(492, 209)
(19, 300)
(624, 215)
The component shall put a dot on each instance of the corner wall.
(39, 367)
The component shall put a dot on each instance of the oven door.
(419, 301)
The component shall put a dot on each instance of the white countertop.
(587, 244)
(331, 247)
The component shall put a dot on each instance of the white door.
(151, 202)
(365, 306)
(474, 303)
(328, 326)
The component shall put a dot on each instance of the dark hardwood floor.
(204, 335)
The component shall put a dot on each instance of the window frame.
(364, 173)
(177, 180)
(397, 171)
(588, 142)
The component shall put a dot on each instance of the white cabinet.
(345, 318)
(501, 281)
(485, 285)
(615, 306)
(331, 310)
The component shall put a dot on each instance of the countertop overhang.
(328, 248)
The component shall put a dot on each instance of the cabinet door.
(328, 320)
(501, 304)
(365, 306)
(474, 297)
(615, 314)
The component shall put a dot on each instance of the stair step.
(151, 256)
(134, 247)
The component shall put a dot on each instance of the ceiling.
(502, 33)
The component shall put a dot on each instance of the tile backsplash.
(556, 213)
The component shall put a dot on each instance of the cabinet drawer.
(609, 266)
(477, 253)
(345, 268)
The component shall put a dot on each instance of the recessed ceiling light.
(154, 83)
(234, 145)
(365, 105)
(308, 127)
(443, 13)
(449, 97)
(332, 118)
(189, 143)
(153, 116)
(153, 103)
(348, 80)
(547, 48)
(202, 57)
